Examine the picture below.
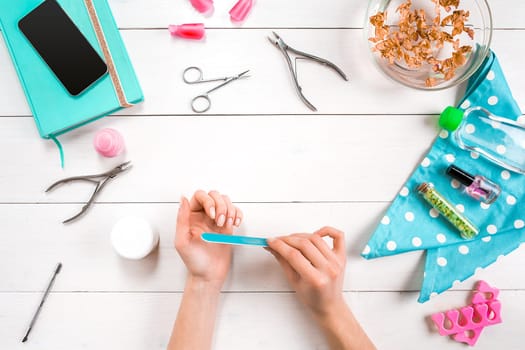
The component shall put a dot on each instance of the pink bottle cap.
(194, 31)
(108, 142)
(240, 10)
(202, 6)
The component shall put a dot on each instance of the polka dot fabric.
(410, 224)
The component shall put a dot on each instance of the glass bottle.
(498, 139)
(466, 229)
(477, 187)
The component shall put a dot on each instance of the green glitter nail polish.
(466, 229)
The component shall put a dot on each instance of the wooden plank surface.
(253, 159)
(277, 13)
(135, 321)
(159, 61)
(289, 169)
(90, 264)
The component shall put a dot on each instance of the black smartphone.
(62, 46)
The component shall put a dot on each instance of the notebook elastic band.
(117, 85)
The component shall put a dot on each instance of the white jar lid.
(133, 238)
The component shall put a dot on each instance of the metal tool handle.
(293, 72)
(199, 79)
(42, 301)
(321, 61)
(194, 104)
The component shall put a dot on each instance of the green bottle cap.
(450, 118)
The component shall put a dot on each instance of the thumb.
(182, 233)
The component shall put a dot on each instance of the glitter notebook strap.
(117, 85)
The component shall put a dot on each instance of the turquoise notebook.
(54, 109)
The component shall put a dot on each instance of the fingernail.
(221, 220)
(212, 212)
(269, 240)
(237, 222)
(230, 222)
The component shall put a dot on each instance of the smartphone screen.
(62, 46)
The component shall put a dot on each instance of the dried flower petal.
(416, 37)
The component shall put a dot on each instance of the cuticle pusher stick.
(44, 297)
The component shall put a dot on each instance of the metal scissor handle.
(195, 105)
(206, 98)
(199, 79)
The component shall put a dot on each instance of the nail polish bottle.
(476, 186)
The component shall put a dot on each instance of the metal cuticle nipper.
(284, 48)
(100, 181)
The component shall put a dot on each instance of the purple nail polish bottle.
(477, 187)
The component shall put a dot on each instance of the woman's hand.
(206, 212)
(208, 265)
(314, 270)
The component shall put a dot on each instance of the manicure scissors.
(100, 180)
(204, 98)
(284, 48)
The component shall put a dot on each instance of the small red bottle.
(194, 31)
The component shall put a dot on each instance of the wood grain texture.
(277, 14)
(29, 251)
(254, 321)
(289, 169)
(160, 59)
(253, 159)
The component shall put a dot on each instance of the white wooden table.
(289, 169)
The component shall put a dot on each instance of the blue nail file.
(237, 240)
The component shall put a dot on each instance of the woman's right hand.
(314, 270)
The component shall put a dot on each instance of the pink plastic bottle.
(240, 10)
(202, 6)
(108, 142)
(193, 31)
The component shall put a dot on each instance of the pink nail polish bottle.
(477, 187)
(194, 31)
(240, 10)
(108, 142)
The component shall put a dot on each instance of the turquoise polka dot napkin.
(410, 223)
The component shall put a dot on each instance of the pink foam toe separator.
(469, 337)
(484, 293)
(465, 324)
(467, 318)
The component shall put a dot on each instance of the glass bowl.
(424, 75)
